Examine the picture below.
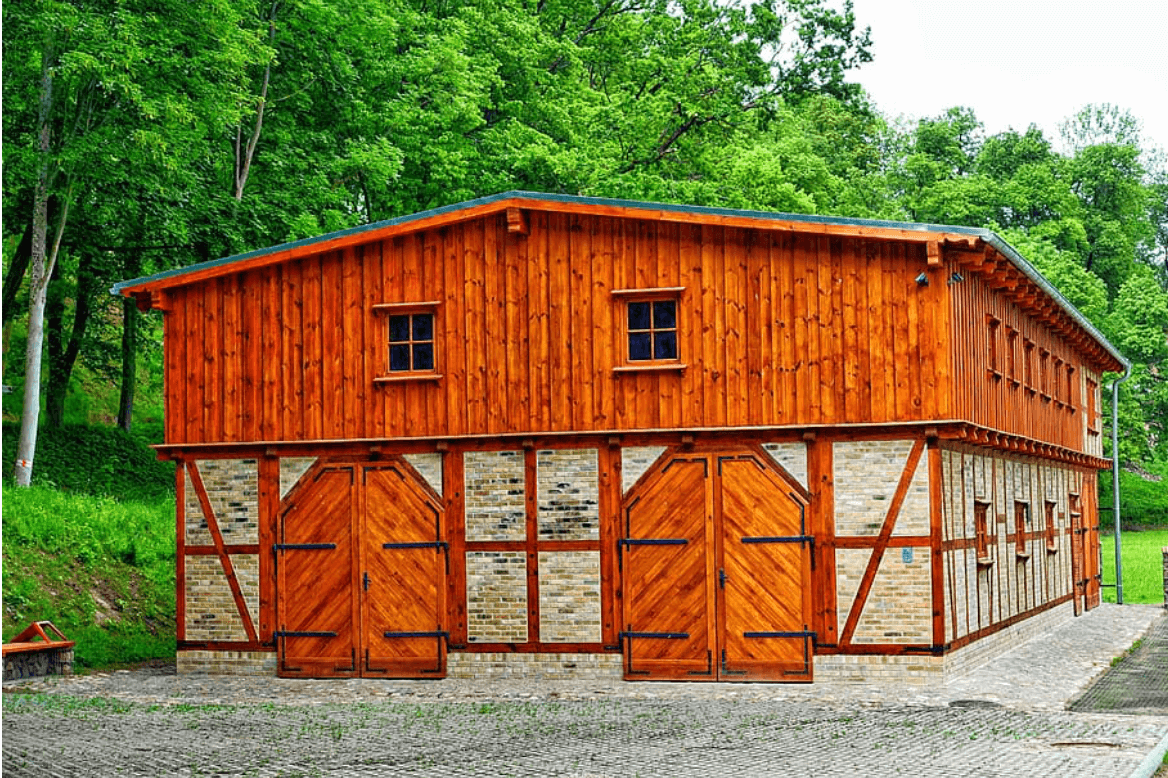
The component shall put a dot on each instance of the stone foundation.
(550, 667)
(226, 662)
(19, 665)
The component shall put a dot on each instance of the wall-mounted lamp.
(956, 278)
(922, 280)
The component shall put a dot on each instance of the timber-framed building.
(566, 436)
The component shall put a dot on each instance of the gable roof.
(447, 214)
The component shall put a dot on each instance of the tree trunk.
(62, 356)
(38, 284)
(129, 350)
(12, 282)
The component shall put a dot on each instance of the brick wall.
(635, 460)
(233, 493)
(898, 609)
(429, 466)
(569, 597)
(493, 666)
(981, 595)
(226, 662)
(291, 469)
(568, 493)
(496, 596)
(792, 456)
(494, 495)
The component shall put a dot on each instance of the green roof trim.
(976, 232)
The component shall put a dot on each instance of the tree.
(98, 93)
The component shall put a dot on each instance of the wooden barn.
(571, 437)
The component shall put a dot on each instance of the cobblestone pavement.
(1138, 684)
(1006, 719)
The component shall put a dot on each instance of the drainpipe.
(1115, 480)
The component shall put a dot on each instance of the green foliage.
(103, 461)
(101, 570)
(1143, 501)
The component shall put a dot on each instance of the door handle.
(722, 577)
(366, 581)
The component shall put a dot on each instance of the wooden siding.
(1008, 396)
(775, 328)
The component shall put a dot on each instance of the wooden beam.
(933, 251)
(517, 221)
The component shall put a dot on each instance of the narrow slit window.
(1051, 536)
(993, 325)
(411, 343)
(652, 330)
(1012, 355)
(981, 530)
(1028, 365)
(1021, 512)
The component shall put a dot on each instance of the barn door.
(315, 563)
(403, 577)
(764, 585)
(665, 569)
(1078, 552)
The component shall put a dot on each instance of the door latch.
(722, 577)
(366, 580)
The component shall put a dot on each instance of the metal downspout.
(1115, 480)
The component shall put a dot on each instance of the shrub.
(104, 461)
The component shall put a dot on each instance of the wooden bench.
(34, 653)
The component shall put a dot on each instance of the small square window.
(981, 531)
(652, 330)
(411, 342)
(1051, 532)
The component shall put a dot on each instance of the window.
(1012, 355)
(1021, 514)
(1043, 376)
(995, 360)
(1028, 364)
(1057, 376)
(652, 330)
(1092, 399)
(650, 320)
(1051, 537)
(981, 531)
(1072, 389)
(411, 342)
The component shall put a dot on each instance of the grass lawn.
(1143, 571)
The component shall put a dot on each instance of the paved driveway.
(1002, 720)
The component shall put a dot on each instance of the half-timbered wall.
(1015, 375)
(1007, 579)
(775, 328)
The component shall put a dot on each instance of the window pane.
(665, 345)
(640, 346)
(399, 357)
(399, 328)
(424, 326)
(423, 356)
(639, 316)
(665, 315)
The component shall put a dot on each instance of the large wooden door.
(715, 572)
(764, 586)
(361, 568)
(315, 564)
(404, 570)
(665, 567)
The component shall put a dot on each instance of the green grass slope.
(90, 546)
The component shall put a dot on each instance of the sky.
(1017, 62)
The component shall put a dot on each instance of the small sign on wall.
(906, 555)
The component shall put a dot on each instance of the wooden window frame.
(1092, 407)
(1051, 528)
(993, 327)
(1021, 519)
(623, 298)
(384, 311)
(1044, 374)
(1012, 356)
(1072, 389)
(1028, 365)
(981, 532)
(1057, 376)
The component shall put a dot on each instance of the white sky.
(1017, 62)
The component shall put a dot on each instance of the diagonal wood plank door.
(665, 568)
(403, 580)
(765, 574)
(315, 558)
